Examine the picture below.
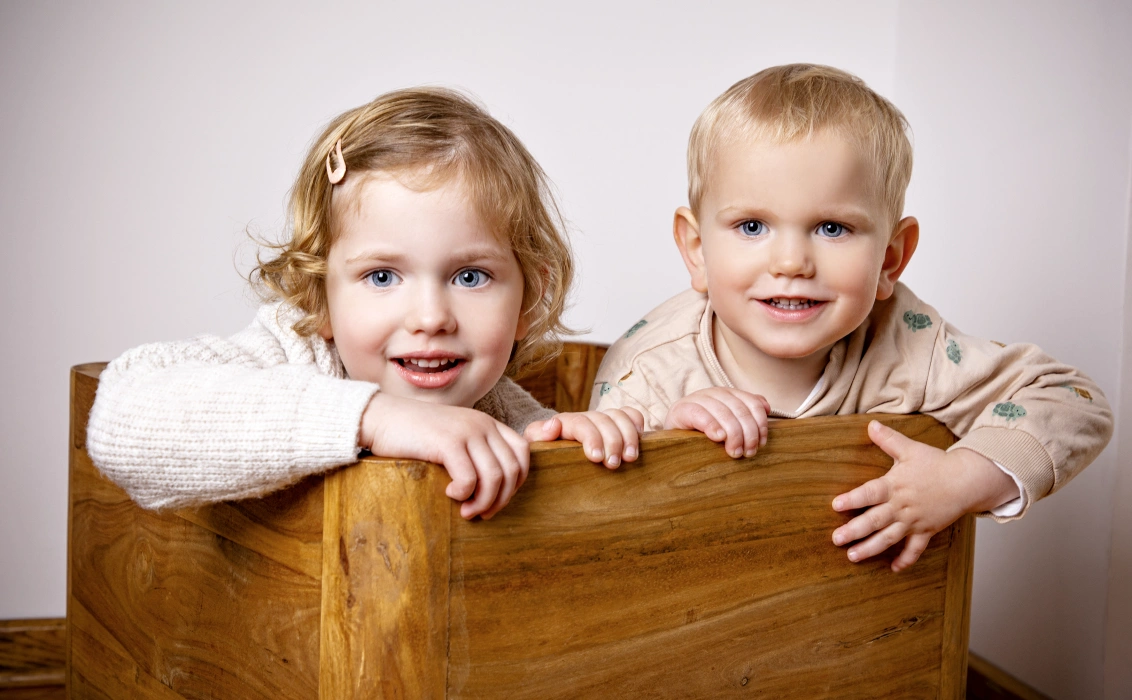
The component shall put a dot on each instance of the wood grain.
(385, 581)
(686, 574)
(32, 652)
(217, 601)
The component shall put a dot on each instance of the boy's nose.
(430, 312)
(790, 256)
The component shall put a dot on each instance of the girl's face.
(424, 299)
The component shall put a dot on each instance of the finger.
(895, 444)
(690, 414)
(511, 473)
(724, 416)
(636, 417)
(543, 430)
(521, 449)
(872, 520)
(867, 494)
(629, 434)
(489, 475)
(913, 548)
(459, 466)
(742, 406)
(579, 427)
(612, 442)
(879, 542)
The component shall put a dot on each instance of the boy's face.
(424, 300)
(792, 245)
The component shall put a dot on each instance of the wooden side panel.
(385, 582)
(565, 384)
(689, 574)
(212, 602)
(32, 652)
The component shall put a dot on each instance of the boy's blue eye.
(384, 278)
(471, 278)
(831, 230)
(752, 228)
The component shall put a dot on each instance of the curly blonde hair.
(791, 102)
(450, 135)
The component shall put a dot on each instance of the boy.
(795, 243)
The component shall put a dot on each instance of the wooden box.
(686, 574)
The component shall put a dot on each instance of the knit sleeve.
(1042, 420)
(510, 404)
(188, 423)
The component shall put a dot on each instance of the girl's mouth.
(429, 373)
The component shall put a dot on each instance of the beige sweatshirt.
(1041, 420)
(211, 419)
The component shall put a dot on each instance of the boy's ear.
(898, 254)
(686, 231)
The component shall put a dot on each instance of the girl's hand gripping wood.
(487, 460)
(607, 437)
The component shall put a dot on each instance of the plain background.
(140, 143)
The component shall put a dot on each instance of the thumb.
(543, 430)
(895, 444)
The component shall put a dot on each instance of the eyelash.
(744, 224)
(482, 273)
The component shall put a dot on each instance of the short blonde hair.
(791, 102)
(448, 135)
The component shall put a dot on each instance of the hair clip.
(337, 173)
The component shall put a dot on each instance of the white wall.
(139, 142)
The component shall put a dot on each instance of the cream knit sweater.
(211, 419)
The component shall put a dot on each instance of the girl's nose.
(430, 311)
(791, 256)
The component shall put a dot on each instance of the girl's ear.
(898, 254)
(524, 325)
(686, 231)
(324, 328)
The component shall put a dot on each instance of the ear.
(686, 231)
(324, 328)
(898, 254)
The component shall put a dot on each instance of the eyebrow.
(477, 254)
(834, 213)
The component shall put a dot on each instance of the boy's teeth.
(791, 303)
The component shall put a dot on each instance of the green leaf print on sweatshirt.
(953, 352)
(1009, 411)
(917, 321)
(636, 327)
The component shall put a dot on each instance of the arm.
(188, 423)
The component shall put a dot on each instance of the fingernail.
(762, 441)
(852, 555)
(614, 460)
(838, 539)
(630, 452)
(717, 435)
(736, 453)
(751, 453)
(597, 454)
(837, 503)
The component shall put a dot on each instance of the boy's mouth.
(791, 304)
(429, 372)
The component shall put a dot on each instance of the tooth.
(444, 362)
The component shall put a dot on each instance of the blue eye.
(752, 228)
(831, 230)
(383, 278)
(471, 278)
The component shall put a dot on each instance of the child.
(795, 240)
(425, 261)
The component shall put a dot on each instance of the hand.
(925, 491)
(487, 461)
(607, 436)
(735, 418)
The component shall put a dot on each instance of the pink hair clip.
(336, 173)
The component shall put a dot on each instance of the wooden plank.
(565, 383)
(156, 596)
(957, 610)
(32, 652)
(385, 581)
(692, 574)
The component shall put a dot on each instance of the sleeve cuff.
(1019, 454)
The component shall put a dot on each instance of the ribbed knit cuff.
(1019, 453)
(330, 413)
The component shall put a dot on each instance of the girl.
(426, 261)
